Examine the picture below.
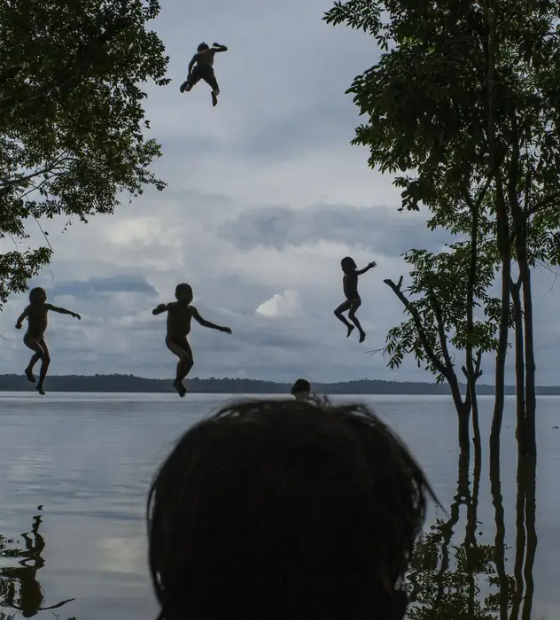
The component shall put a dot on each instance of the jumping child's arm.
(22, 317)
(205, 323)
(219, 48)
(160, 309)
(370, 266)
(192, 63)
(63, 311)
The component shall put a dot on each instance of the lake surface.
(88, 459)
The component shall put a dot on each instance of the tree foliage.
(463, 108)
(72, 122)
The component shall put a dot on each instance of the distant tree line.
(130, 383)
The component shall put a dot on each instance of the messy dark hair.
(278, 509)
(202, 47)
(301, 385)
(348, 263)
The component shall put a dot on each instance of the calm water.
(88, 460)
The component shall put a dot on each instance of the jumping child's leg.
(191, 81)
(45, 363)
(188, 362)
(178, 349)
(34, 346)
(352, 316)
(210, 79)
(338, 314)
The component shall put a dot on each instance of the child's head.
(202, 47)
(348, 265)
(37, 296)
(184, 293)
(301, 389)
(280, 509)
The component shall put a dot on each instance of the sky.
(265, 196)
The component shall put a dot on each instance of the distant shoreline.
(130, 383)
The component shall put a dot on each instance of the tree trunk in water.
(529, 473)
(520, 431)
(502, 345)
(530, 441)
(464, 431)
(499, 541)
(503, 241)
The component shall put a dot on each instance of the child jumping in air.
(353, 300)
(179, 315)
(201, 67)
(36, 314)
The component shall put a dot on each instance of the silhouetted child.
(353, 300)
(301, 390)
(37, 318)
(201, 67)
(179, 315)
(277, 509)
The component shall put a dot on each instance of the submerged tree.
(468, 98)
(71, 116)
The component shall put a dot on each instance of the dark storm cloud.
(381, 228)
(97, 286)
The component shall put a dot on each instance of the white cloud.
(286, 305)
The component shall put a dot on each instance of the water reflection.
(455, 577)
(19, 587)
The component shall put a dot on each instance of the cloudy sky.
(265, 196)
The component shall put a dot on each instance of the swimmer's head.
(202, 47)
(184, 293)
(348, 264)
(37, 295)
(301, 390)
(281, 509)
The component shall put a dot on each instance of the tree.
(468, 98)
(71, 117)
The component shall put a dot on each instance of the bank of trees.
(72, 123)
(463, 108)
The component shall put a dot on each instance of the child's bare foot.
(29, 374)
(351, 328)
(214, 99)
(40, 389)
(179, 388)
(362, 336)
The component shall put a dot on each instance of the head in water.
(202, 47)
(348, 264)
(37, 296)
(280, 509)
(301, 390)
(184, 293)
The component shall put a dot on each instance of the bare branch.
(396, 288)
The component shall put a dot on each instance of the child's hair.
(348, 263)
(203, 46)
(36, 293)
(301, 385)
(183, 288)
(278, 509)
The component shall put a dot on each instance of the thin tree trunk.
(504, 248)
(520, 431)
(530, 442)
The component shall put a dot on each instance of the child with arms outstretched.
(353, 300)
(179, 315)
(201, 67)
(36, 314)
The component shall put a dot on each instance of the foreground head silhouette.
(301, 390)
(279, 509)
